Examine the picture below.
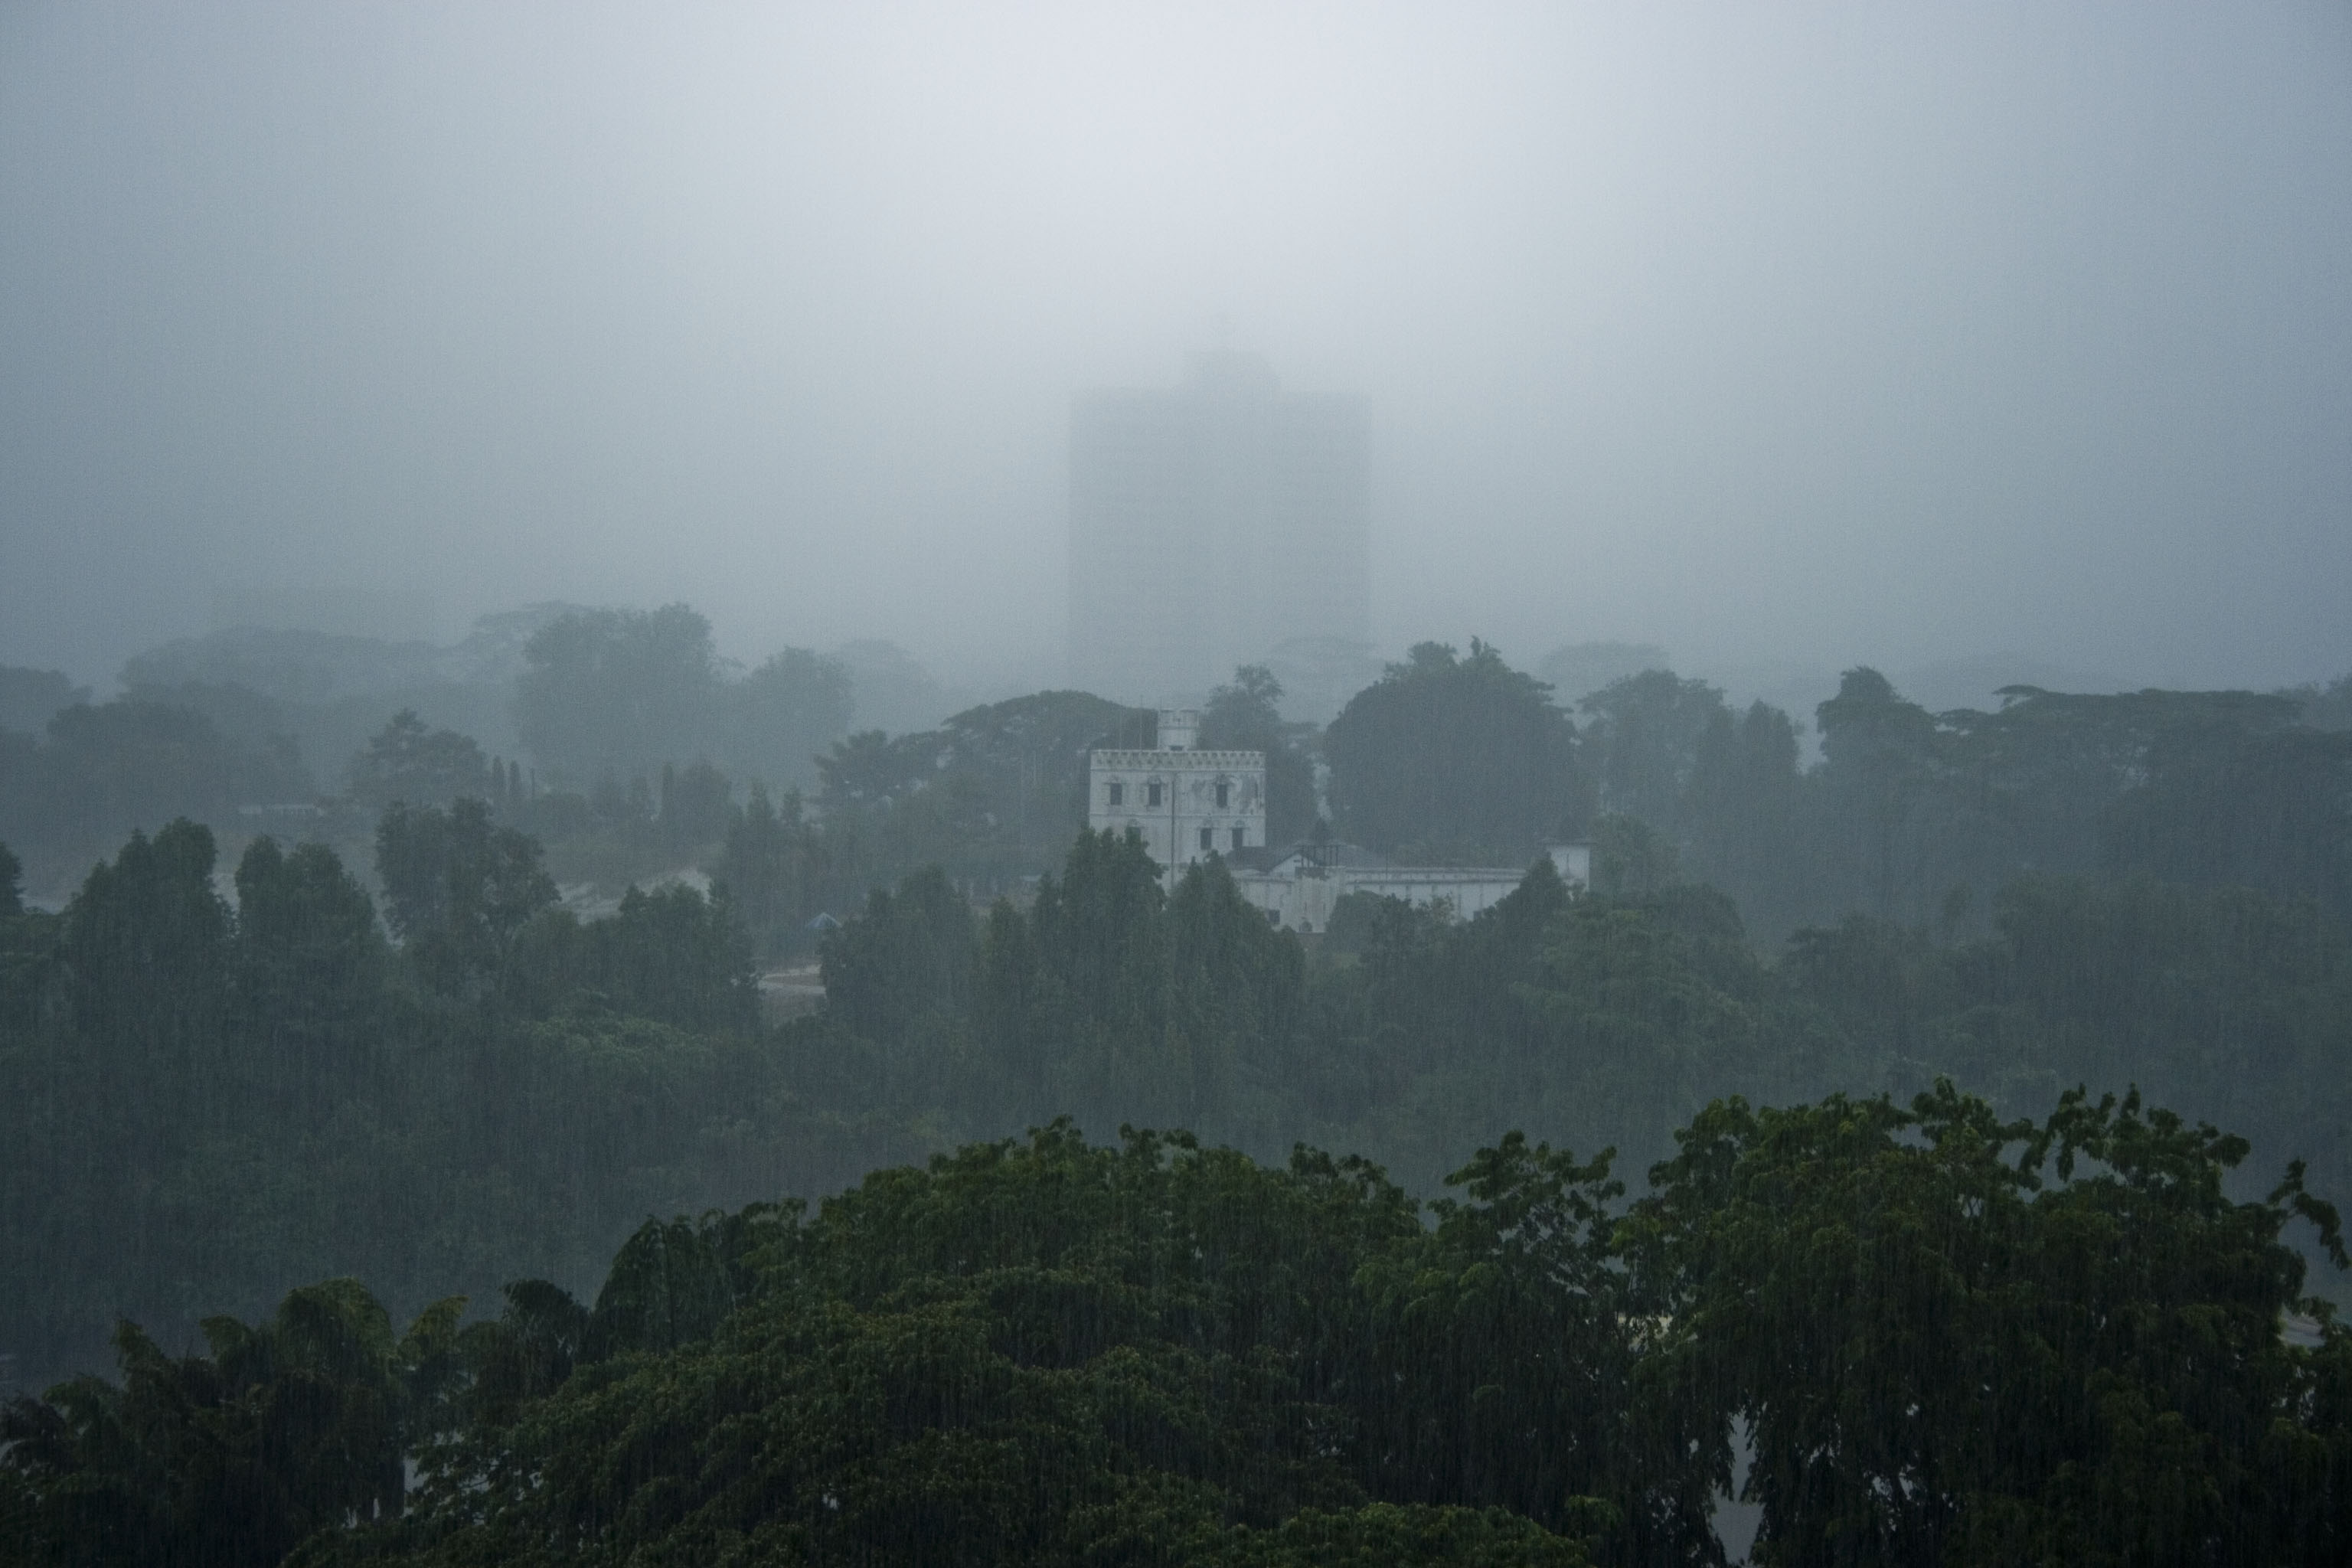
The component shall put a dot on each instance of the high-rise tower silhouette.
(1209, 524)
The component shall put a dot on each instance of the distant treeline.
(434, 1078)
(1921, 817)
(624, 743)
(224, 730)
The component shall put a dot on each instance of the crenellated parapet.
(1187, 804)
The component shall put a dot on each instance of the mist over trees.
(406, 761)
(642, 738)
(171, 1039)
(665, 1076)
(624, 692)
(29, 696)
(334, 690)
(1814, 1000)
(100, 769)
(1922, 817)
(645, 748)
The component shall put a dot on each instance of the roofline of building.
(1162, 759)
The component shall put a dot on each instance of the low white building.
(1190, 804)
(1187, 804)
(1300, 890)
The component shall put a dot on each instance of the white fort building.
(1187, 804)
(1190, 804)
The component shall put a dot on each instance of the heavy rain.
(1127, 784)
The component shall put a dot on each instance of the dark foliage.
(409, 762)
(1462, 759)
(1970, 1329)
(623, 692)
(299, 1424)
(134, 762)
(457, 890)
(200, 1107)
(1244, 716)
(1951, 1338)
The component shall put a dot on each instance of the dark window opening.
(1118, 795)
(1238, 833)
(1208, 838)
(1223, 793)
(1151, 793)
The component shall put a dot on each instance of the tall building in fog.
(1211, 523)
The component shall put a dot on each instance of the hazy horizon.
(1787, 340)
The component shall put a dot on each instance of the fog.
(1782, 337)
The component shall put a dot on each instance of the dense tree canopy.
(621, 692)
(618, 692)
(201, 1104)
(29, 696)
(299, 1425)
(781, 716)
(101, 771)
(1460, 758)
(1949, 1338)
(995, 795)
(458, 889)
(1974, 1320)
(1960, 1339)
(1922, 817)
(409, 762)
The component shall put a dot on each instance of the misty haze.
(1253, 784)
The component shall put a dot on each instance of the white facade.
(1300, 891)
(1187, 804)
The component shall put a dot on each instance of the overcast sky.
(1770, 333)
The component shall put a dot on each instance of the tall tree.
(1644, 746)
(1743, 812)
(781, 716)
(12, 883)
(308, 971)
(289, 1428)
(1957, 1338)
(1880, 756)
(694, 806)
(618, 692)
(146, 946)
(1245, 715)
(906, 963)
(768, 865)
(407, 762)
(459, 889)
(1464, 758)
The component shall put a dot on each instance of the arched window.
(1241, 837)
(1225, 797)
